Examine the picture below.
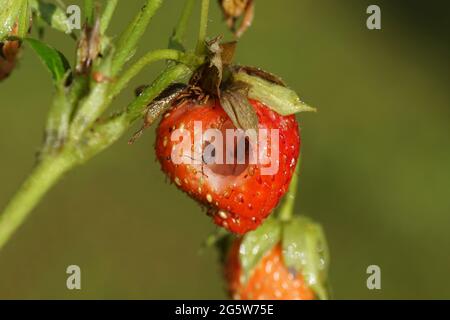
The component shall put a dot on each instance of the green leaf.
(257, 243)
(305, 250)
(279, 98)
(14, 13)
(55, 61)
(53, 15)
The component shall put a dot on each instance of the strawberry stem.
(43, 177)
(150, 57)
(286, 209)
(83, 137)
(128, 41)
(203, 27)
(107, 15)
(89, 10)
(179, 34)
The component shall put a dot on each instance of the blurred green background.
(376, 168)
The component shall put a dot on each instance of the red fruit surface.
(238, 197)
(269, 280)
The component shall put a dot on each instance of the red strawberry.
(238, 197)
(270, 279)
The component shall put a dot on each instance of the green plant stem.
(91, 107)
(286, 209)
(107, 15)
(43, 177)
(179, 34)
(176, 73)
(127, 43)
(153, 56)
(57, 121)
(105, 134)
(89, 11)
(82, 144)
(53, 167)
(203, 27)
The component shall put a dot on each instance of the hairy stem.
(52, 168)
(43, 177)
(129, 39)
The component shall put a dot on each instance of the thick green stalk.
(53, 167)
(57, 121)
(43, 177)
(91, 107)
(82, 144)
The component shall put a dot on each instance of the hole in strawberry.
(234, 158)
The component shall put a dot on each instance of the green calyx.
(257, 243)
(272, 93)
(234, 85)
(304, 250)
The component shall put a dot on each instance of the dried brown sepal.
(228, 51)
(88, 47)
(208, 76)
(206, 82)
(236, 105)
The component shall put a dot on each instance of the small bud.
(88, 47)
